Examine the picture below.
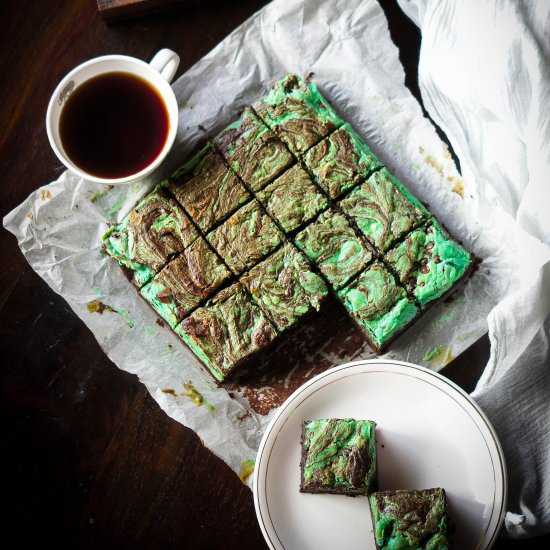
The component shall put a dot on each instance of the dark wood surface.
(89, 459)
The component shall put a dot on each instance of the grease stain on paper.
(45, 194)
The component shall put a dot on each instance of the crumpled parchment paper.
(346, 43)
(485, 79)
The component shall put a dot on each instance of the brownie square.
(428, 262)
(245, 238)
(379, 306)
(338, 456)
(286, 287)
(186, 282)
(340, 161)
(332, 244)
(226, 331)
(298, 113)
(293, 199)
(153, 232)
(253, 151)
(410, 519)
(208, 190)
(383, 209)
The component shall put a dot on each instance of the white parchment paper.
(347, 45)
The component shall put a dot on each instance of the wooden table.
(90, 460)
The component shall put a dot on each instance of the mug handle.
(166, 62)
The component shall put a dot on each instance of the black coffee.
(114, 125)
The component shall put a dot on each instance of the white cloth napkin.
(485, 79)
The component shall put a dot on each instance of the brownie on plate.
(208, 190)
(338, 456)
(410, 520)
(253, 151)
(245, 238)
(379, 306)
(286, 287)
(293, 199)
(153, 232)
(340, 161)
(383, 211)
(186, 282)
(298, 113)
(226, 331)
(332, 244)
(429, 262)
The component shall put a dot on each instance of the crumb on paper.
(247, 469)
(160, 322)
(98, 195)
(30, 215)
(458, 187)
(97, 306)
(186, 105)
(45, 194)
(439, 355)
(193, 395)
(170, 347)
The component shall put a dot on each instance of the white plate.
(430, 434)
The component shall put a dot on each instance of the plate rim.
(370, 362)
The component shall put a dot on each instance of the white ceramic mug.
(158, 73)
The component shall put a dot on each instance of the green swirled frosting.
(154, 231)
(246, 237)
(340, 161)
(285, 286)
(429, 262)
(226, 330)
(410, 520)
(298, 113)
(381, 209)
(338, 455)
(378, 305)
(254, 152)
(208, 190)
(293, 199)
(186, 282)
(332, 244)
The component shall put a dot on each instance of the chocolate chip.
(412, 282)
(437, 259)
(425, 269)
(429, 246)
(424, 261)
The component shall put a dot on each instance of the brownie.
(293, 199)
(380, 307)
(338, 456)
(153, 232)
(253, 151)
(245, 238)
(208, 190)
(332, 244)
(410, 519)
(383, 210)
(186, 282)
(226, 331)
(298, 113)
(340, 161)
(286, 287)
(429, 262)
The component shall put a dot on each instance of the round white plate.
(429, 434)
